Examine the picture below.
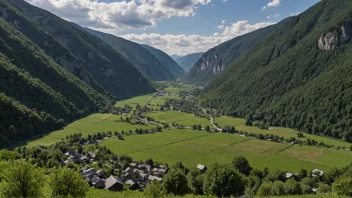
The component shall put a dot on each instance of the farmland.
(280, 131)
(194, 147)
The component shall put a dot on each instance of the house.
(202, 168)
(73, 159)
(161, 172)
(89, 171)
(100, 173)
(91, 155)
(128, 170)
(289, 175)
(89, 177)
(317, 172)
(132, 185)
(114, 184)
(85, 159)
(143, 176)
(97, 182)
(151, 178)
(133, 165)
(70, 152)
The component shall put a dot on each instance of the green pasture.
(181, 118)
(88, 125)
(280, 131)
(199, 147)
(178, 89)
(157, 102)
(141, 100)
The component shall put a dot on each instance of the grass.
(181, 118)
(157, 102)
(141, 100)
(178, 89)
(280, 131)
(199, 147)
(88, 125)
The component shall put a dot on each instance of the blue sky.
(175, 26)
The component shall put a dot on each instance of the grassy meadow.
(141, 100)
(239, 124)
(181, 118)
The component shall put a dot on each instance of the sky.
(175, 26)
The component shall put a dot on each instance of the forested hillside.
(45, 81)
(187, 62)
(108, 67)
(299, 77)
(217, 59)
(166, 60)
(140, 57)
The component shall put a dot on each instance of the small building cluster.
(135, 177)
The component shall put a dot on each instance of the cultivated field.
(88, 125)
(181, 118)
(141, 100)
(199, 147)
(239, 124)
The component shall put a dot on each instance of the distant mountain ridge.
(175, 57)
(52, 73)
(140, 57)
(298, 77)
(217, 59)
(187, 62)
(166, 60)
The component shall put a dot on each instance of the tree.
(303, 173)
(223, 181)
(149, 162)
(249, 122)
(241, 165)
(324, 188)
(67, 183)
(292, 187)
(278, 188)
(21, 179)
(300, 135)
(175, 182)
(207, 129)
(155, 190)
(195, 181)
(265, 190)
(342, 186)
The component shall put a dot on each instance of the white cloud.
(186, 44)
(273, 3)
(119, 15)
(273, 16)
(223, 21)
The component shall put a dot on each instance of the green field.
(178, 89)
(141, 100)
(89, 125)
(199, 147)
(280, 131)
(181, 118)
(157, 102)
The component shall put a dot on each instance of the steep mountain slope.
(217, 59)
(187, 62)
(141, 58)
(175, 57)
(299, 77)
(109, 68)
(166, 60)
(34, 79)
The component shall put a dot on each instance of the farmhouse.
(317, 172)
(202, 168)
(114, 183)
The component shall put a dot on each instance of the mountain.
(217, 59)
(187, 62)
(299, 77)
(52, 73)
(140, 57)
(166, 60)
(175, 57)
(109, 68)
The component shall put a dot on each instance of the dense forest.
(52, 73)
(299, 77)
(140, 57)
(217, 59)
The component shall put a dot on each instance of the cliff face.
(336, 38)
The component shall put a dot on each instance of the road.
(212, 120)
